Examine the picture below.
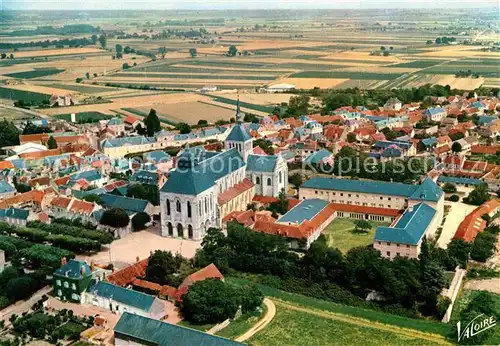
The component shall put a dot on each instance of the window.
(170, 229)
(407, 246)
(389, 198)
(168, 207)
(388, 244)
(349, 195)
(189, 208)
(281, 178)
(257, 180)
(190, 232)
(269, 182)
(73, 287)
(66, 284)
(378, 243)
(178, 206)
(58, 282)
(59, 293)
(388, 253)
(75, 296)
(357, 196)
(381, 198)
(206, 205)
(397, 245)
(341, 194)
(316, 192)
(397, 253)
(180, 231)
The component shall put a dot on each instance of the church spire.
(238, 112)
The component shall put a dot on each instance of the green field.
(346, 75)
(421, 325)
(242, 324)
(227, 63)
(305, 56)
(13, 94)
(195, 76)
(306, 326)
(340, 234)
(85, 117)
(417, 64)
(259, 108)
(485, 70)
(36, 73)
(82, 88)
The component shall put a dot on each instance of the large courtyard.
(341, 234)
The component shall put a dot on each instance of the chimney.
(63, 261)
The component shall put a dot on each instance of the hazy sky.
(238, 4)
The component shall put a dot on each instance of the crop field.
(82, 88)
(14, 95)
(14, 114)
(36, 73)
(84, 117)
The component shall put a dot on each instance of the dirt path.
(23, 305)
(491, 285)
(262, 323)
(410, 333)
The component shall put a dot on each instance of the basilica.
(205, 186)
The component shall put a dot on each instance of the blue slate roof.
(428, 190)
(478, 105)
(157, 156)
(73, 269)
(119, 142)
(125, 296)
(410, 227)
(435, 110)
(145, 177)
(305, 210)
(459, 180)
(193, 177)
(392, 152)
(261, 163)
(15, 213)
(155, 332)
(317, 156)
(239, 133)
(386, 144)
(133, 205)
(18, 163)
(5, 187)
(115, 121)
(90, 175)
(485, 119)
(429, 141)
(287, 154)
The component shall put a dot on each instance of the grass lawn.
(242, 324)
(311, 327)
(202, 327)
(374, 316)
(340, 234)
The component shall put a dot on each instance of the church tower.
(239, 137)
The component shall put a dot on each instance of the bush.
(139, 221)
(20, 288)
(483, 246)
(115, 217)
(442, 305)
(454, 198)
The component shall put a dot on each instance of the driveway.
(456, 215)
(123, 252)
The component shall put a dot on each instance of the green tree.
(280, 206)
(459, 249)
(162, 51)
(125, 66)
(93, 38)
(9, 134)
(115, 217)
(351, 137)
(265, 144)
(103, 40)
(93, 198)
(232, 51)
(298, 105)
(296, 180)
(137, 190)
(163, 267)
(193, 52)
(118, 49)
(362, 226)
(20, 288)
(52, 143)
(456, 147)
(139, 221)
(152, 123)
(449, 188)
(210, 301)
(250, 298)
(483, 246)
(183, 128)
(478, 196)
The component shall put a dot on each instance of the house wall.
(270, 183)
(239, 203)
(355, 198)
(391, 250)
(69, 289)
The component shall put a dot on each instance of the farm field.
(41, 72)
(14, 95)
(84, 117)
(13, 114)
(340, 234)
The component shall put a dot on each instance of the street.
(456, 214)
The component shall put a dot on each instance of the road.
(23, 305)
(456, 214)
(262, 323)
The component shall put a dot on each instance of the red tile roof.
(366, 210)
(82, 207)
(453, 159)
(485, 149)
(152, 286)
(34, 196)
(259, 151)
(62, 181)
(130, 120)
(226, 196)
(209, 271)
(42, 181)
(61, 202)
(40, 154)
(442, 149)
(473, 223)
(127, 275)
(6, 165)
(475, 166)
